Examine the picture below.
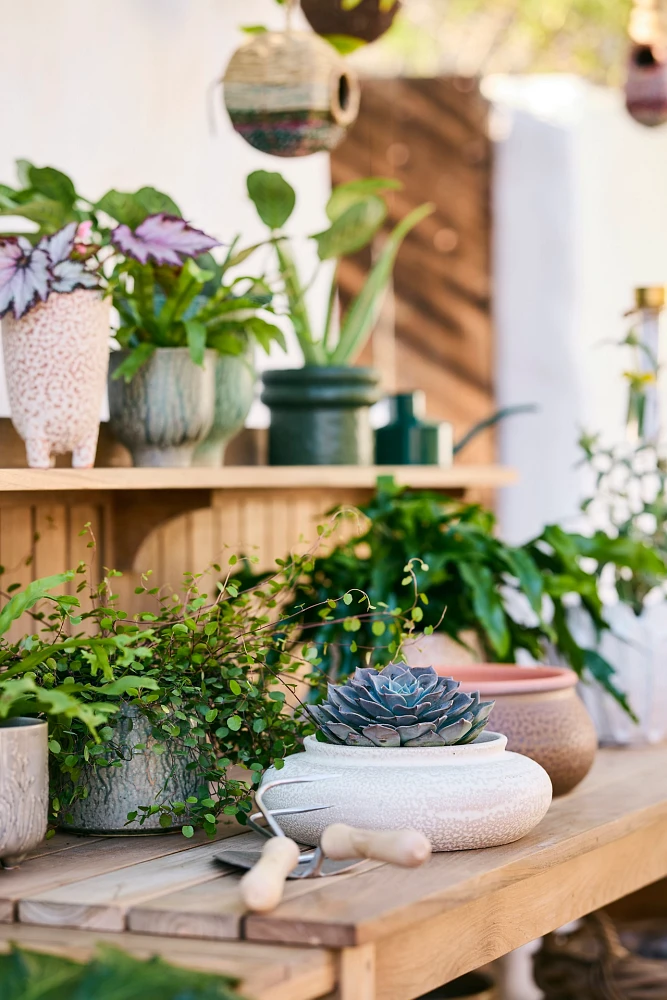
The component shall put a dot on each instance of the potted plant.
(320, 413)
(27, 712)
(513, 602)
(403, 747)
(190, 690)
(55, 335)
(184, 374)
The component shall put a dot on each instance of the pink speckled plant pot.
(56, 361)
(540, 712)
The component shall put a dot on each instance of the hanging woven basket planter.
(290, 93)
(646, 83)
(367, 21)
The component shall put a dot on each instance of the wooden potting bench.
(379, 933)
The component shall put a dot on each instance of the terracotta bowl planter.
(540, 712)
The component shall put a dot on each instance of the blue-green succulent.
(400, 706)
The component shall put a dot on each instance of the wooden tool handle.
(407, 848)
(262, 887)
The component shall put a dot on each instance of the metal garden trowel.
(341, 848)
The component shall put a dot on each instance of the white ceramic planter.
(24, 787)
(56, 361)
(460, 797)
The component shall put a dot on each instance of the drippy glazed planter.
(56, 360)
(460, 797)
(539, 711)
(167, 408)
(24, 787)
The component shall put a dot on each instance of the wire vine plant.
(219, 676)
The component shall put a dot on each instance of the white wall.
(580, 216)
(115, 94)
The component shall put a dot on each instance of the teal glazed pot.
(235, 379)
(166, 410)
(321, 416)
(410, 440)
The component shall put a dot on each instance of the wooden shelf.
(396, 933)
(254, 477)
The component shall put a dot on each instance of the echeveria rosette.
(163, 238)
(29, 274)
(400, 706)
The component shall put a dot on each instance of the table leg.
(356, 973)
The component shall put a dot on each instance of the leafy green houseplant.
(319, 414)
(187, 691)
(515, 601)
(170, 293)
(111, 974)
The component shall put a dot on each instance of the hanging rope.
(291, 7)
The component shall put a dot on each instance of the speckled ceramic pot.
(145, 779)
(24, 787)
(235, 379)
(541, 714)
(460, 797)
(166, 410)
(56, 360)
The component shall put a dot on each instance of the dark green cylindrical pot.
(320, 416)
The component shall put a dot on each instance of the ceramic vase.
(460, 797)
(408, 439)
(166, 410)
(320, 416)
(144, 779)
(367, 21)
(540, 712)
(56, 359)
(24, 787)
(234, 393)
(290, 93)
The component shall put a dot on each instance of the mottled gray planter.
(234, 392)
(166, 410)
(24, 787)
(145, 779)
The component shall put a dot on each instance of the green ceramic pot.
(234, 392)
(320, 416)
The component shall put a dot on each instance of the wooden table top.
(422, 928)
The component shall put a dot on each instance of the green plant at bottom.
(112, 975)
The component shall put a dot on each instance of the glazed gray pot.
(145, 779)
(24, 787)
(167, 408)
(234, 392)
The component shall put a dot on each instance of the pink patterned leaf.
(25, 275)
(165, 238)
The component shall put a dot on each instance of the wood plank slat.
(269, 478)
(102, 901)
(264, 972)
(91, 856)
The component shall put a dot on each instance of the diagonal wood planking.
(102, 902)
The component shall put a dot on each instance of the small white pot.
(24, 787)
(56, 361)
(460, 797)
